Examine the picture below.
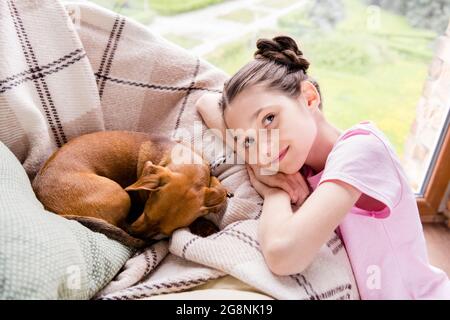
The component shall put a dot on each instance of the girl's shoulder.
(367, 137)
(364, 158)
(364, 149)
(364, 128)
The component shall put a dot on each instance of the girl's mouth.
(282, 154)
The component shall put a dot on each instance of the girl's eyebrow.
(256, 113)
(254, 116)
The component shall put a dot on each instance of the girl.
(359, 187)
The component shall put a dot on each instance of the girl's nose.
(265, 148)
(266, 154)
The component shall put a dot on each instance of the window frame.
(437, 179)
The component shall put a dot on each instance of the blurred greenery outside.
(278, 3)
(243, 15)
(182, 40)
(145, 10)
(364, 73)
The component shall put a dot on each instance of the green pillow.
(45, 256)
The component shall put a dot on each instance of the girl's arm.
(290, 240)
(209, 109)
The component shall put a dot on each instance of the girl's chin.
(289, 171)
(286, 166)
(289, 164)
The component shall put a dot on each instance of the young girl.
(359, 186)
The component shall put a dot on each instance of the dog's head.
(176, 196)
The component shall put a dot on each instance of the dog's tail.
(111, 231)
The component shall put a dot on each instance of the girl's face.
(258, 107)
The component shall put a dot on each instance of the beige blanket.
(71, 69)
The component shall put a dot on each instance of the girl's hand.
(260, 187)
(294, 184)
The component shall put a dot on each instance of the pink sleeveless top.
(382, 233)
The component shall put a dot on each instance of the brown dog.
(131, 181)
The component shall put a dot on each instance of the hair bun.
(282, 50)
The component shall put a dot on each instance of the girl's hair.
(278, 64)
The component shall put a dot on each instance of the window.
(379, 60)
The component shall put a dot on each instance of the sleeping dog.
(129, 186)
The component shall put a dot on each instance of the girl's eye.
(248, 142)
(268, 120)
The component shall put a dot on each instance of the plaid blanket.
(74, 68)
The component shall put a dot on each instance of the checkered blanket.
(74, 68)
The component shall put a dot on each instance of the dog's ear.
(152, 178)
(215, 196)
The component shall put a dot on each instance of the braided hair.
(278, 63)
